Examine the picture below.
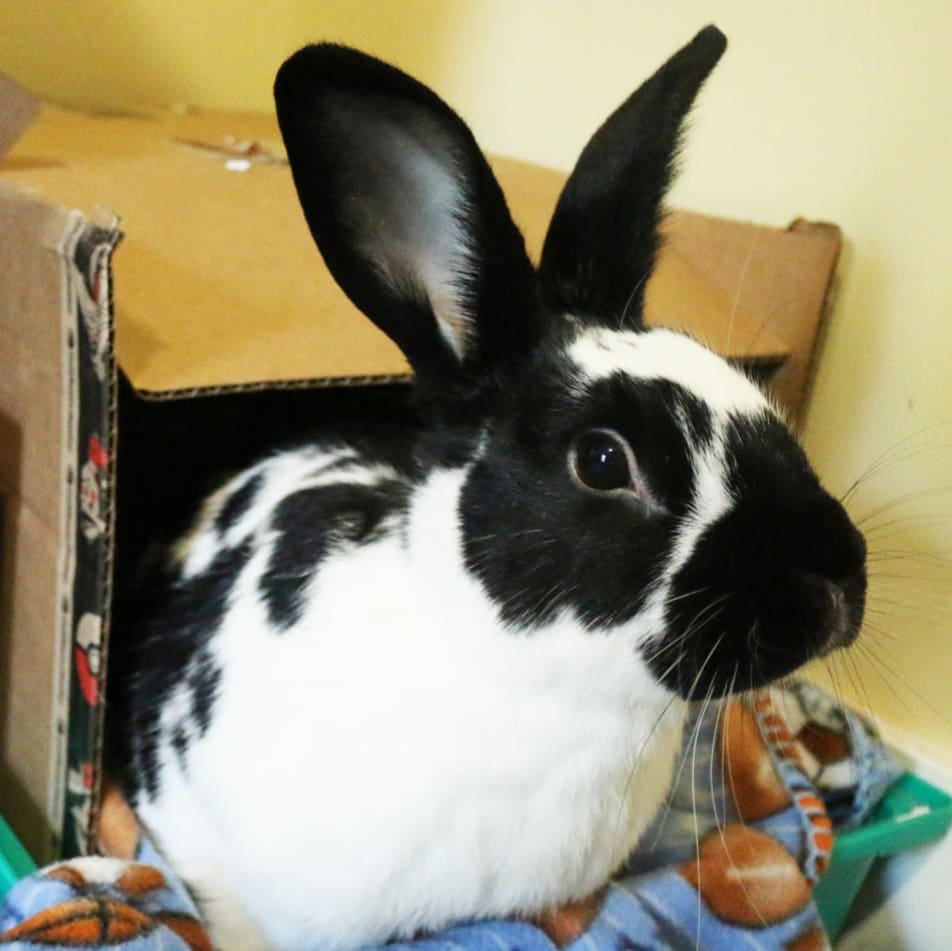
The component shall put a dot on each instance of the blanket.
(763, 784)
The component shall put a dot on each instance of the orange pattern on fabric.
(83, 921)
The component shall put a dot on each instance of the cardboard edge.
(90, 419)
(313, 383)
(47, 226)
(18, 111)
(800, 399)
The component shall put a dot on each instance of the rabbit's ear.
(407, 214)
(601, 245)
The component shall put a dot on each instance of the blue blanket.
(764, 784)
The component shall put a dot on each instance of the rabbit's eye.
(600, 460)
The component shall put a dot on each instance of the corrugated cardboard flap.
(218, 282)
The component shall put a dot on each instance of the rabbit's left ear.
(601, 245)
(408, 216)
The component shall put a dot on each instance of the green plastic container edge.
(15, 861)
(911, 814)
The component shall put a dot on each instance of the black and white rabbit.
(390, 688)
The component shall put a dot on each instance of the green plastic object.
(911, 814)
(15, 861)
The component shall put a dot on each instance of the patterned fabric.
(89, 433)
(745, 835)
(102, 902)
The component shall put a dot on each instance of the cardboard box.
(226, 327)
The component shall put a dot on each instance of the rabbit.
(392, 684)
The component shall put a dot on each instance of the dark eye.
(600, 461)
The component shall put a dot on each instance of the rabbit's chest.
(387, 784)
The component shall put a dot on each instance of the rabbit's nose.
(845, 613)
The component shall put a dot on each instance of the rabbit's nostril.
(842, 627)
(837, 601)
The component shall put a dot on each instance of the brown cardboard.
(782, 278)
(31, 401)
(218, 286)
(19, 111)
(244, 298)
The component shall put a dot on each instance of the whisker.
(636, 762)
(740, 286)
(493, 536)
(697, 830)
(904, 555)
(859, 686)
(634, 291)
(902, 500)
(891, 665)
(882, 669)
(684, 751)
(884, 457)
(875, 536)
(739, 879)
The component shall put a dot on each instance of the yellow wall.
(829, 110)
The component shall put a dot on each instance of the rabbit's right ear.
(408, 215)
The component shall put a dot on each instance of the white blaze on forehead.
(665, 355)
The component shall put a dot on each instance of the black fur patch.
(537, 541)
(171, 644)
(203, 681)
(312, 523)
(665, 426)
(237, 504)
(180, 743)
(779, 579)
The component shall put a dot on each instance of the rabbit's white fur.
(665, 355)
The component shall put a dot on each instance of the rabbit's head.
(627, 478)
